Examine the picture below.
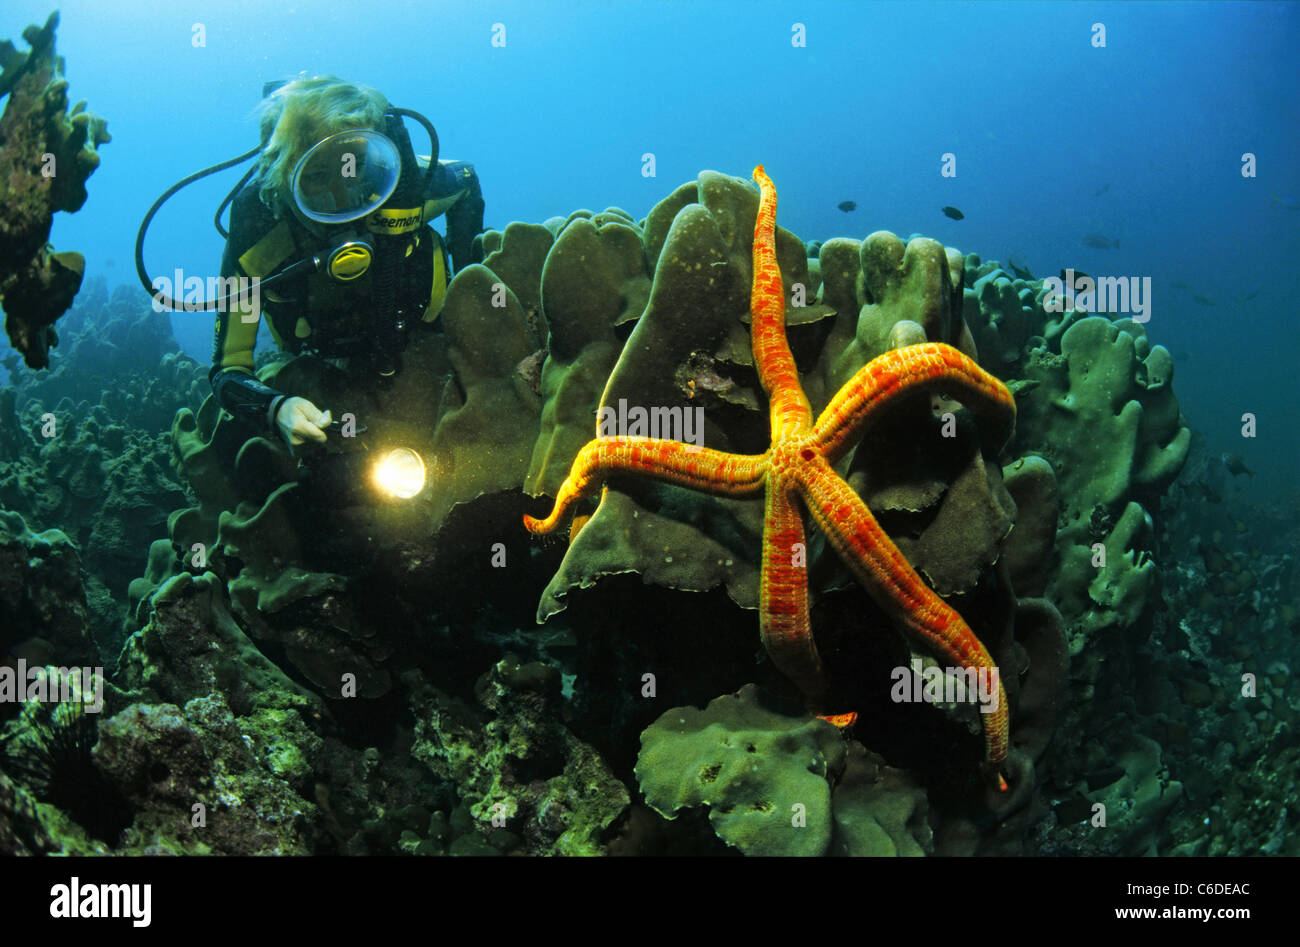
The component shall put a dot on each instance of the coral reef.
(779, 782)
(1104, 440)
(41, 598)
(205, 782)
(797, 470)
(764, 775)
(1202, 696)
(87, 446)
(665, 325)
(339, 672)
(520, 769)
(47, 155)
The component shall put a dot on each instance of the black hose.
(433, 142)
(166, 301)
(216, 218)
(387, 278)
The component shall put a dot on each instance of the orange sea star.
(800, 462)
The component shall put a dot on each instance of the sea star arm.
(929, 366)
(686, 465)
(895, 586)
(788, 405)
(783, 595)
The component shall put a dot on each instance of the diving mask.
(346, 176)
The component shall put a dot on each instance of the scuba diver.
(332, 225)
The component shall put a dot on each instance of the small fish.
(847, 206)
(1250, 294)
(70, 260)
(1210, 494)
(953, 212)
(34, 651)
(1100, 242)
(1020, 271)
(1287, 201)
(575, 527)
(1203, 300)
(1101, 190)
(1236, 466)
(1078, 274)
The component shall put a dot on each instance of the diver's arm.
(232, 379)
(294, 419)
(245, 397)
(465, 217)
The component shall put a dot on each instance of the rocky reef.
(322, 669)
(46, 154)
(85, 448)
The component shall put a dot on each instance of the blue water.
(558, 119)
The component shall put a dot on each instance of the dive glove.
(299, 421)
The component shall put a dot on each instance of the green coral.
(593, 280)
(1137, 803)
(36, 284)
(879, 810)
(1104, 414)
(191, 647)
(515, 764)
(41, 595)
(248, 772)
(764, 773)
(1031, 481)
(692, 348)
(780, 782)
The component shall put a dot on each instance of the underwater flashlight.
(399, 473)
(354, 474)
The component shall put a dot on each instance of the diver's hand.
(300, 421)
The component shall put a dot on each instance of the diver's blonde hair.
(298, 115)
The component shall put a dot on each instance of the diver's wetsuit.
(315, 312)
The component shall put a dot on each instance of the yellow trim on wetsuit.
(240, 336)
(237, 330)
(277, 246)
(394, 220)
(269, 252)
(438, 285)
